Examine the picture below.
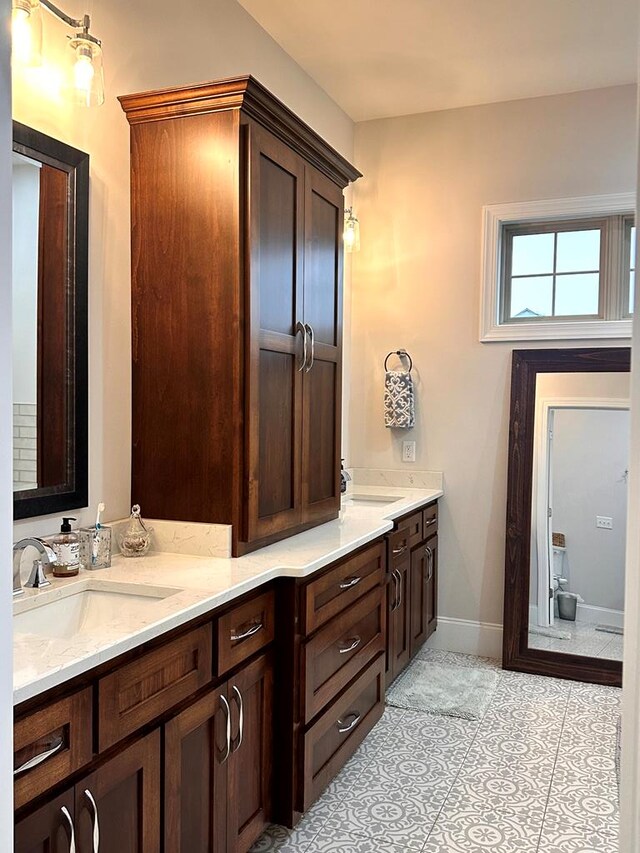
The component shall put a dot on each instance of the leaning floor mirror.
(566, 513)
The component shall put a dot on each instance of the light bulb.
(351, 235)
(83, 72)
(26, 32)
(87, 75)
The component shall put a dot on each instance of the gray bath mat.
(438, 688)
(556, 633)
(610, 629)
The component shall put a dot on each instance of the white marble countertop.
(203, 583)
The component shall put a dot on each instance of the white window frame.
(494, 217)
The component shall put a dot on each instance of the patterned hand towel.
(399, 403)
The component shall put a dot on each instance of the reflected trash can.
(567, 605)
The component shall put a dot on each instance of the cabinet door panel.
(250, 763)
(126, 791)
(431, 603)
(400, 625)
(322, 284)
(321, 437)
(277, 246)
(277, 425)
(420, 567)
(323, 380)
(195, 796)
(46, 830)
(275, 205)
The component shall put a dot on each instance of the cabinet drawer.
(148, 687)
(51, 744)
(430, 521)
(341, 586)
(333, 739)
(244, 630)
(341, 649)
(408, 534)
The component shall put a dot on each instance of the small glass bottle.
(136, 539)
(66, 547)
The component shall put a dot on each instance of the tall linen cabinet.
(237, 216)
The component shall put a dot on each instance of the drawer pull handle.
(344, 726)
(431, 521)
(399, 588)
(227, 712)
(38, 759)
(240, 703)
(400, 550)
(429, 554)
(72, 835)
(394, 575)
(235, 638)
(354, 645)
(96, 827)
(349, 582)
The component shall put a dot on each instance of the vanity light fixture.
(351, 234)
(87, 72)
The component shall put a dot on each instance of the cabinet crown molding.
(249, 95)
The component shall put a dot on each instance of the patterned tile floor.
(535, 775)
(585, 640)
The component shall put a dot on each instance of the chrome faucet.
(46, 558)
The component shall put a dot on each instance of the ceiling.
(378, 58)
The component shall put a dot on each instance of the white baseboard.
(600, 615)
(473, 638)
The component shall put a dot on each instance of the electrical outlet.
(408, 451)
(604, 522)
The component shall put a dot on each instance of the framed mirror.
(566, 513)
(50, 269)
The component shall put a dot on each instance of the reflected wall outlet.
(604, 522)
(408, 451)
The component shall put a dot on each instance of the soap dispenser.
(66, 547)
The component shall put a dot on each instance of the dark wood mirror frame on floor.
(62, 324)
(516, 654)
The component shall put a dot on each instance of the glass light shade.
(26, 32)
(351, 234)
(87, 74)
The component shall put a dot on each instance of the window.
(559, 269)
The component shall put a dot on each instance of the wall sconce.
(351, 234)
(87, 73)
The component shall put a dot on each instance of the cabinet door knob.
(248, 633)
(344, 726)
(240, 704)
(355, 642)
(300, 327)
(227, 712)
(72, 835)
(96, 826)
(349, 582)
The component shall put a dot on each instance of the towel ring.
(401, 353)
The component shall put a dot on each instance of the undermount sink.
(367, 500)
(83, 607)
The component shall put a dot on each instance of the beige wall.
(146, 45)
(416, 285)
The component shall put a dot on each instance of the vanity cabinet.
(121, 798)
(237, 215)
(218, 766)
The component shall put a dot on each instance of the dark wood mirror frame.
(72, 494)
(516, 654)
